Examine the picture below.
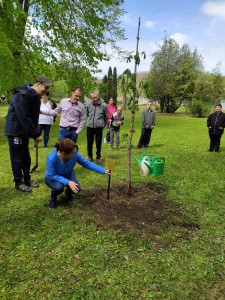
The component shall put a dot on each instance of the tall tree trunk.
(133, 115)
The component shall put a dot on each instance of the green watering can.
(144, 163)
(156, 166)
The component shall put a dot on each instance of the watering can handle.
(160, 157)
(146, 154)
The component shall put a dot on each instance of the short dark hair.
(66, 145)
(77, 89)
(219, 105)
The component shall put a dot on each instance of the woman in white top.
(45, 122)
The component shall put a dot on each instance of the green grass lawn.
(53, 254)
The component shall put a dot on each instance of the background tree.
(173, 73)
(41, 32)
(114, 86)
(102, 87)
(109, 88)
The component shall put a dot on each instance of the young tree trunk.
(129, 152)
(133, 114)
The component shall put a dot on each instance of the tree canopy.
(36, 33)
(173, 73)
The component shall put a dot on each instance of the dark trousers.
(94, 133)
(214, 142)
(57, 188)
(145, 137)
(46, 128)
(20, 158)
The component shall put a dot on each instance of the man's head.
(42, 84)
(149, 105)
(94, 97)
(76, 95)
(111, 101)
(119, 110)
(218, 108)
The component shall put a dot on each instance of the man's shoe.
(90, 159)
(45, 147)
(118, 148)
(22, 188)
(69, 195)
(111, 148)
(98, 161)
(31, 183)
(146, 146)
(105, 140)
(52, 204)
(217, 151)
(209, 150)
(137, 147)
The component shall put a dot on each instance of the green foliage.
(199, 108)
(69, 33)
(173, 74)
(108, 87)
(114, 86)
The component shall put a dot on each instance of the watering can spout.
(137, 160)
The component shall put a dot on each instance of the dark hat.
(44, 80)
(219, 105)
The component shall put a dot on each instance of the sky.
(199, 23)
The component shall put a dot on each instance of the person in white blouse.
(45, 122)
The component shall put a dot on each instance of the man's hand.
(108, 172)
(39, 139)
(73, 186)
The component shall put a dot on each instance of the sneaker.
(118, 148)
(105, 140)
(34, 148)
(22, 188)
(45, 147)
(52, 204)
(98, 161)
(209, 150)
(31, 183)
(111, 148)
(69, 195)
(90, 159)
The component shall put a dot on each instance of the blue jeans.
(65, 133)
(58, 187)
(46, 128)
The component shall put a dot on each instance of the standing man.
(148, 123)
(216, 124)
(97, 116)
(22, 124)
(73, 115)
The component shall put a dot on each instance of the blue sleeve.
(52, 174)
(89, 165)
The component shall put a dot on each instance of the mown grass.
(61, 254)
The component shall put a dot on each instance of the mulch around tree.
(146, 212)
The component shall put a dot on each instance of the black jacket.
(215, 121)
(23, 113)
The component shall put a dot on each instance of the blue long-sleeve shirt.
(59, 171)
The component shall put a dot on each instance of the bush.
(199, 108)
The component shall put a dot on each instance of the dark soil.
(146, 211)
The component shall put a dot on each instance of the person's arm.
(209, 124)
(143, 119)
(81, 121)
(24, 113)
(53, 112)
(106, 114)
(89, 165)
(153, 120)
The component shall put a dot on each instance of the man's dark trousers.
(214, 142)
(20, 158)
(97, 134)
(145, 137)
